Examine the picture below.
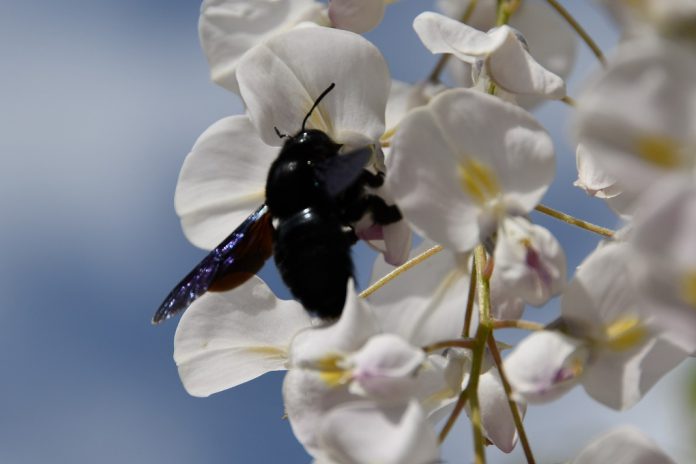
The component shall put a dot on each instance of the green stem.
(467, 343)
(399, 270)
(574, 221)
(516, 416)
(470, 301)
(516, 324)
(579, 30)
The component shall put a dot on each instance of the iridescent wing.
(339, 172)
(230, 264)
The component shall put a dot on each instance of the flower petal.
(222, 181)
(228, 28)
(225, 339)
(426, 304)
(514, 69)
(545, 365)
(358, 16)
(280, 80)
(529, 261)
(441, 34)
(624, 445)
(363, 432)
(430, 171)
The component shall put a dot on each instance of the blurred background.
(100, 101)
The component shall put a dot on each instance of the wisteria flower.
(499, 53)
(529, 262)
(356, 15)
(353, 360)
(549, 39)
(636, 118)
(613, 344)
(469, 160)
(226, 339)
(623, 445)
(671, 18)
(229, 28)
(663, 237)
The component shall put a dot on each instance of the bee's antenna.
(316, 103)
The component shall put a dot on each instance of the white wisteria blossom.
(500, 54)
(549, 39)
(471, 160)
(226, 339)
(637, 117)
(530, 263)
(623, 445)
(613, 344)
(229, 28)
(356, 15)
(673, 18)
(667, 277)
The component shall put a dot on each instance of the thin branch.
(516, 324)
(580, 30)
(399, 270)
(517, 417)
(575, 221)
(452, 419)
(467, 343)
(470, 301)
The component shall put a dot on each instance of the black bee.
(313, 194)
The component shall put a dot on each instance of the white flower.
(226, 339)
(353, 360)
(499, 53)
(623, 445)
(279, 85)
(364, 432)
(356, 15)
(613, 343)
(550, 40)
(529, 261)
(673, 18)
(665, 227)
(464, 162)
(637, 117)
(229, 28)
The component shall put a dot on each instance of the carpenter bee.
(313, 195)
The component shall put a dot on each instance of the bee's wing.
(230, 264)
(339, 172)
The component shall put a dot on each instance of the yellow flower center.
(624, 333)
(688, 288)
(331, 372)
(659, 150)
(478, 181)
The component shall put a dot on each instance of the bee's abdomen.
(312, 252)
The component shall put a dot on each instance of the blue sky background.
(99, 103)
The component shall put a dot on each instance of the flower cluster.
(465, 165)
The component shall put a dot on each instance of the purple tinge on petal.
(372, 232)
(533, 260)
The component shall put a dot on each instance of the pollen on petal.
(659, 150)
(624, 333)
(330, 371)
(478, 181)
(688, 288)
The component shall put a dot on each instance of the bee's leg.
(381, 212)
(370, 179)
